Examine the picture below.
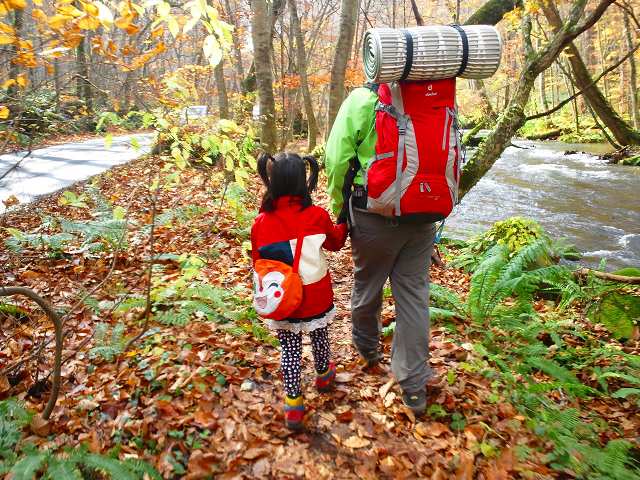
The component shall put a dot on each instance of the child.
(287, 214)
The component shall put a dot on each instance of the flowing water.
(577, 196)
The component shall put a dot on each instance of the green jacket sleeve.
(352, 132)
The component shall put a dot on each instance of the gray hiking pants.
(383, 249)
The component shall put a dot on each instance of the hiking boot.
(293, 413)
(370, 359)
(416, 401)
(326, 380)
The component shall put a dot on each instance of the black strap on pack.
(352, 172)
(409, 62)
(347, 188)
(465, 49)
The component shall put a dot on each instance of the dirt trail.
(202, 400)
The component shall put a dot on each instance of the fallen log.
(545, 135)
(584, 272)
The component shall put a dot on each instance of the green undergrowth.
(562, 128)
(22, 460)
(532, 321)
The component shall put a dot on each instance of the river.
(577, 196)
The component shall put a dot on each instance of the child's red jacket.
(274, 236)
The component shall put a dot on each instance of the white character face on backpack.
(269, 293)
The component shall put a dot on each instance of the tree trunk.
(348, 16)
(83, 87)
(605, 83)
(223, 100)
(492, 12)
(56, 82)
(542, 87)
(623, 133)
(261, 36)
(237, 51)
(633, 84)
(14, 68)
(302, 70)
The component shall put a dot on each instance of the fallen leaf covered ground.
(205, 399)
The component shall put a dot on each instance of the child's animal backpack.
(416, 169)
(277, 286)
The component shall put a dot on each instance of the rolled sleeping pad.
(431, 53)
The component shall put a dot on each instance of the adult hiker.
(392, 222)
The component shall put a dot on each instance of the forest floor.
(203, 398)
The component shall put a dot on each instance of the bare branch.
(594, 82)
(416, 13)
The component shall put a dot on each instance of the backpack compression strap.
(409, 61)
(465, 49)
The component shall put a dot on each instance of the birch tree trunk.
(261, 36)
(302, 71)
(348, 17)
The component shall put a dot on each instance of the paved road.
(52, 168)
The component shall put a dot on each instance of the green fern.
(111, 231)
(141, 468)
(180, 215)
(29, 465)
(10, 433)
(60, 468)
(112, 467)
(483, 282)
(444, 298)
(108, 347)
(103, 208)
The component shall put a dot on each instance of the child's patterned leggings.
(291, 362)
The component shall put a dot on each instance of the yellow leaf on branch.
(4, 112)
(22, 80)
(4, 28)
(16, 4)
(39, 15)
(69, 11)
(57, 22)
(89, 23)
(91, 9)
(157, 32)
(132, 29)
(124, 21)
(6, 39)
(7, 83)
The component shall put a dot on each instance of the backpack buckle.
(403, 121)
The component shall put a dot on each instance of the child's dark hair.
(286, 174)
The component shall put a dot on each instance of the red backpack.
(419, 144)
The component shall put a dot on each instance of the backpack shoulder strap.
(372, 86)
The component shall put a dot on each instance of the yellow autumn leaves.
(21, 81)
(83, 15)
